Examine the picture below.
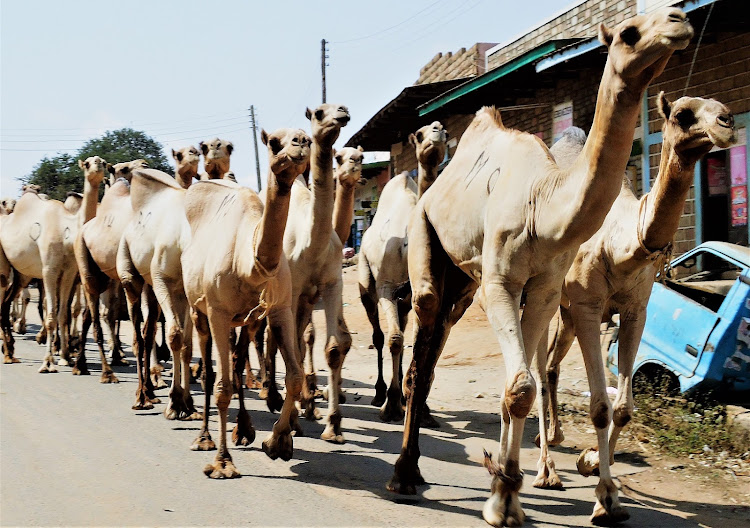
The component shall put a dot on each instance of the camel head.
(73, 201)
(94, 169)
(125, 170)
(693, 125)
(288, 151)
(216, 153)
(30, 188)
(639, 47)
(187, 159)
(349, 170)
(326, 122)
(7, 205)
(430, 141)
(229, 175)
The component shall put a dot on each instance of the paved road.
(74, 453)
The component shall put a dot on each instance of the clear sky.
(184, 71)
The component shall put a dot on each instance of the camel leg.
(557, 351)
(279, 443)
(41, 336)
(337, 346)
(222, 467)
(251, 382)
(7, 293)
(547, 477)
(68, 283)
(92, 316)
(368, 296)
(243, 433)
(24, 299)
(81, 367)
(587, 319)
(133, 286)
(631, 331)
(392, 410)
(151, 315)
(308, 344)
(204, 442)
(50, 322)
(307, 403)
(269, 390)
(113, 322)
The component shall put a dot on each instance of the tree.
(60, 174)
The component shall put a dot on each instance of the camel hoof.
(222, 468)
(428, 421)
(601, 517)
(253, 384)
(108, 377)
(378, 400)
(279, 446)
(8, 360)
(119, 361)
(498, 512)
(19, 328)
(552, 482)
(203, 443)
(81, 371)
(342, 396)
(48, 367)
(392, 411)
(588, 462)
(142, 405)
(65, 362)
(274, 401)
(406, 477)
(41, 339)
(330, 434)
(243, 433)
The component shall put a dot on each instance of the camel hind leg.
(368, 296)
(204, 442)
(243, 433)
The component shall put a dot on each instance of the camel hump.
(214, 198)
(147, 184)
(568, 147)
(490, 115)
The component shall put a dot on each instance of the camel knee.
(396, 341)
(426, 306)
(293, 381)
(174, 340)
(520, 394)
(600, 414)
(223, 393)
(335, 354)
(378, 339)
(622, 414)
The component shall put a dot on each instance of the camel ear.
(338, 157)
(359, 148)
(230, 147)
(264, 136)
(80, 164)
(413, 140)
(177, 155)
(204, 148)
(308, 114)
(110, 168)
(174, 154)
(664, 106)
(605, 35)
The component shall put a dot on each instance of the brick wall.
(448, 66)
(581, 21)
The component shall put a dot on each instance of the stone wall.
(458, 65)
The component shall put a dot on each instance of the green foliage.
(60, 174)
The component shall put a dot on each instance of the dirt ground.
(724, 492)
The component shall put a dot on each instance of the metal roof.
(396, 120)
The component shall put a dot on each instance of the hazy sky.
(184, 70)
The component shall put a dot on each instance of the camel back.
(147, 184)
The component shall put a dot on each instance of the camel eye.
(419, 137)
(685, 118)
(87, 164)
(630, 35)
(275, 145)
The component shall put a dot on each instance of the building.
(547, 78)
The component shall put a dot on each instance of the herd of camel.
(507, 216)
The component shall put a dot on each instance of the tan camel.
(346, 176)
(613, 271)
(313, 250)
(149, 268)
(187, 160)
(7, 205)
(96, 255)
(383, 269)
(503, 216)
(216, 154)
(21, 302)
(37, 240)
(235, 275)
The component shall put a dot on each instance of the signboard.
(739, 206)
(738, 164)
(562, 118)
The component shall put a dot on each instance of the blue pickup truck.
(698, 323)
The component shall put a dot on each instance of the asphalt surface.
(75, 454)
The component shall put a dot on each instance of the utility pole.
(323, 58)
(254, 126)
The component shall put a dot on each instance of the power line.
(446, 19)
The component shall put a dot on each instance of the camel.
(187, 159)
(313, 250)
(216, 154)
(149, 268)
(96, 255)
(502, 216)
(346, 176)
(246, 253)
(37, 240)
(7, 205)
(382, 265)
(19, 305)
(614, 270)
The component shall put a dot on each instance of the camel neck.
(666, 200)
(321, 173)
(184, 177)
(269, 242)
(217, 170)
(88, 205)
(426, 176)
(593, 182)
(343, 211)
